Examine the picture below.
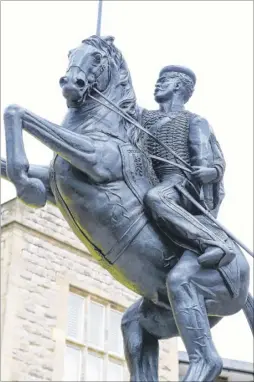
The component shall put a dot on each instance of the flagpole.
(98, 29)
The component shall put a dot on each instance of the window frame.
(87, 347)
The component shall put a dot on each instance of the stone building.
(61, 312)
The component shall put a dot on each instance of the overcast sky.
(214, 38)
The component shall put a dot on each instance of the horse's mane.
(128, 100)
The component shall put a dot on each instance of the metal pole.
(98, 29)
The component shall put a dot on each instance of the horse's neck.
(95, 117)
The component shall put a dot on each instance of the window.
(94, 345)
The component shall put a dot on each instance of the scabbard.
(211, 217)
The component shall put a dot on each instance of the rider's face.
(165, 87)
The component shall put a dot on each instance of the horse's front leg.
(35, 171)
(31, 190)
(76, 149)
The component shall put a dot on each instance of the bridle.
(92, 87)
(185, 167)
(99, 70)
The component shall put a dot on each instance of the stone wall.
(40, 259)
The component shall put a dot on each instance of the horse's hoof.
(33, 193)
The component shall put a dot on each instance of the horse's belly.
(103, 213)
(143, 263)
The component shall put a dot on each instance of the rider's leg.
(172, 213)
(195, 292)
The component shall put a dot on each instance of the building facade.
(61, 312)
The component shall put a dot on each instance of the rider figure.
(191, 137)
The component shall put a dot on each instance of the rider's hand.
(204, 174)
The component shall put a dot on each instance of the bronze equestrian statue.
(103, 180)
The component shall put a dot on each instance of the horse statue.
(98, 179)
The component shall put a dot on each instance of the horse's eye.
(97, 58)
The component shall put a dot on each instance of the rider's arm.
(201, 152)
(218, 157)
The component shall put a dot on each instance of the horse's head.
(96, 63)
(88, 67)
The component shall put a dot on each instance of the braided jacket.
(192, 138)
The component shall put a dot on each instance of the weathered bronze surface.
(128, 195)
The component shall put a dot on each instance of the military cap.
(180, 69)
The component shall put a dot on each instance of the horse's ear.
(109, 39)
(70, 52)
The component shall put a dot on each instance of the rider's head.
(173, 80)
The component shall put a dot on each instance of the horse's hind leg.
(141, 348)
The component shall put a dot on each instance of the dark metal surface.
(188, 272)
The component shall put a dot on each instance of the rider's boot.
(192, 322)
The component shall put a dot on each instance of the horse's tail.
(249, 311)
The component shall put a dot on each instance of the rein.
(186, 168)
(123, 114)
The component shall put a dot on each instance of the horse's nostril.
(80, 83)
(63, 81)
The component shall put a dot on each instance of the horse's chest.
(76, 189)
(108, 167)
(68, 182)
